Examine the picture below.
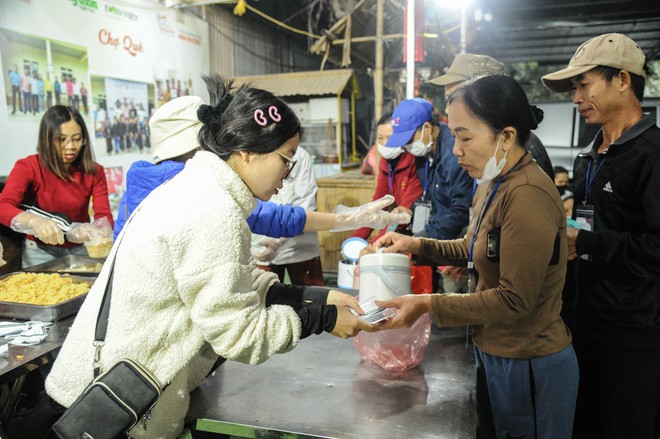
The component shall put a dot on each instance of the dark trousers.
(15, 97)
(27, 98)
(619, 392)
(307, 272)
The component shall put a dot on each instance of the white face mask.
(389, 153)
(418, 147)
(492, 168)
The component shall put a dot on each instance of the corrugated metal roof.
(316, 83)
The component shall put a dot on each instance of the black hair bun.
(537, 116)
(205, 113)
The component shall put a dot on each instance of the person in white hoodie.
(299, 256)
(186, 289)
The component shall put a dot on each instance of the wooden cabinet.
(351, 189)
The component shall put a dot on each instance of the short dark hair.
(49, 127)
(229, 123)
(560, 170)
(499, 101)
(384, 119)
(637, 82)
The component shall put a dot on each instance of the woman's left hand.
(344, 300)
(409, 308)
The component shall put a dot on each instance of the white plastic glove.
(81, 232)
(97, 231)
(270, 247)
(44, 229)
(367, 215)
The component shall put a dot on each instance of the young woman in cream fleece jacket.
(186, 288)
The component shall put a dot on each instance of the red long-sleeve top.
(405, 187)
(31, 183)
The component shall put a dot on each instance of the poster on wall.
(114, 176)
(121, 116)
(94, 48)
(33, 84)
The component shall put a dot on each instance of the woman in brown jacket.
(515, 247)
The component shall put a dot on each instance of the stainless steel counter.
(24, 359)
(323, 389)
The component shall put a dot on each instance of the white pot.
(384, 276)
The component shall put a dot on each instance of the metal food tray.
(66, 265)
(44, 313)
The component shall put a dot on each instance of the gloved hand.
(80, 232)
(2, 261)
(270, 247)
(40, 227)
(97, 231)
(367, 215)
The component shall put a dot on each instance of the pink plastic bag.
(396, 349)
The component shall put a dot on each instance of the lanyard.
(480, 217)
(390, 178)
(426, 180)
(482, 213)
(590, 178)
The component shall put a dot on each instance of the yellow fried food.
(40, 288)
(100, 249)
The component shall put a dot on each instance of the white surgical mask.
(389, 153)
(418, 148)
(493, 167)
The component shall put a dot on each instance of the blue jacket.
(270, 219)
(448, 187)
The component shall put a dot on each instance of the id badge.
(421, 215)
(584, 215)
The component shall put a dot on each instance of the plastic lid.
(352, 247)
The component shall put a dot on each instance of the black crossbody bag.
(116, 400)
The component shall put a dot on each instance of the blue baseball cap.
(409, 115)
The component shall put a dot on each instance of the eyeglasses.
(290, 164)
(76, 141)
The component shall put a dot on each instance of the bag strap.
(104, 310)
(102, 320)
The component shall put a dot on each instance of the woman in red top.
(60, 179)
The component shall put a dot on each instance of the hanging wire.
(279, 23)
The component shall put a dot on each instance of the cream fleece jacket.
(185, 290)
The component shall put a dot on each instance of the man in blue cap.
(443, 210)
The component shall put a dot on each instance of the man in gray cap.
(617, 203)
(469, 65)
